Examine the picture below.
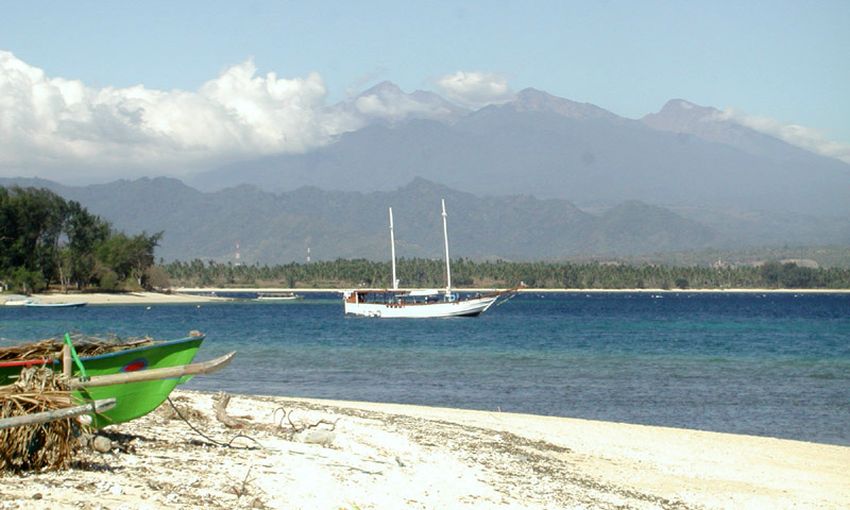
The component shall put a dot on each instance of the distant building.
(801, 263)
(720, 264)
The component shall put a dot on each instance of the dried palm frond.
(46, 446)
(51, 348)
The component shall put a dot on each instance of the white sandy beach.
(122, 298)
(386, 456)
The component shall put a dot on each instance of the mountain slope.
(275, 228)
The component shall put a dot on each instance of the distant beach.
(118, 298)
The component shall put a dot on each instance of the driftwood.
(220, 405)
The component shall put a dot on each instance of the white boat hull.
(75, 304)
(459, 308)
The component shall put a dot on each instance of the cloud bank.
(475, 89)
(49, 125)
(804, 137)
(62, 129)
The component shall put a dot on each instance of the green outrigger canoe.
(133, 399)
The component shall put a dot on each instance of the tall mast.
(446, 237)
(392, 249)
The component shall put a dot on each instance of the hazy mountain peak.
(682, 104)
(385, 88)
(681, 115)
(422, 186)
(533, 100)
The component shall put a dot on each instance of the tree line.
(46, 240)
(427, 273)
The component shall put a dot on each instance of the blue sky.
(785, 62)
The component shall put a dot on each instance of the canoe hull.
(133, 399)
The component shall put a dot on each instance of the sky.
(101, 90)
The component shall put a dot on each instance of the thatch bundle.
(51, 348)
(46, 446)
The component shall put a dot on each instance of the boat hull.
(75, 304)
(460, 308)
(133, 399)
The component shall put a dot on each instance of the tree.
(129, 257)
(84, 231)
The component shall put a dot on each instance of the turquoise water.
(774, 365)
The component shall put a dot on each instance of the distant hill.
(275, 228)
(685, 156)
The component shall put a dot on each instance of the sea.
(775, 364)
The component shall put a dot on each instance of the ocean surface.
(764, 364)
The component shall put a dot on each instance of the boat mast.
(392, 249)
(448, 264)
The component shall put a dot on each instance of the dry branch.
(220, 402)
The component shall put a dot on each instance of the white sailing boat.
(397, 303)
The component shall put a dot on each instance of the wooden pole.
(66, 361)
(98, 406)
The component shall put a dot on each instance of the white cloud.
(794, 134)
(394, 107)
(50, 125)
(389, 103)
(475, 89)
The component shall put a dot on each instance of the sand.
(386, 456)
(123, 298)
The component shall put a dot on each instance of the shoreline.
(529, 290)
(191, 295)
(405, 456)
(120, 298)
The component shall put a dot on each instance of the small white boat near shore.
(75, 304)
(278, 296)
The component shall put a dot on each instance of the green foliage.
(26, 281)
(45, 240)
(426, 273)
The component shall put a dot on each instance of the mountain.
(683, 157)
(276, 228)
(710, 124)
(533, 100)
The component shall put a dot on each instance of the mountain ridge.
(276, 228)
(552, 147)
